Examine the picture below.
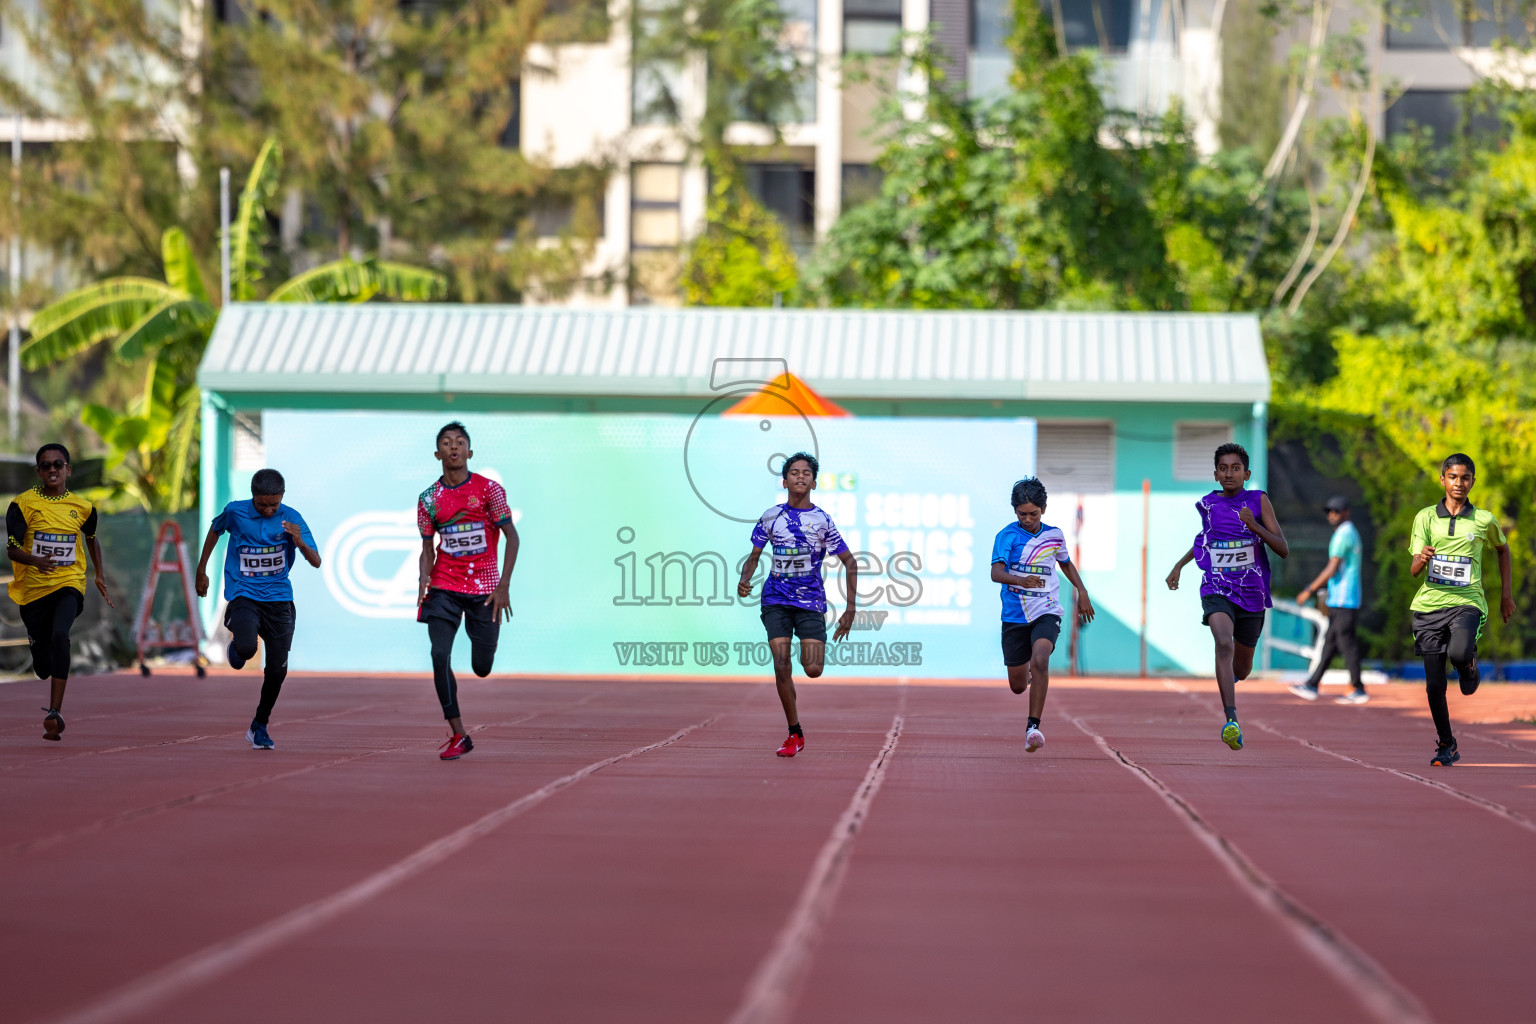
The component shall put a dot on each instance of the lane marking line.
(770, 995)
(150, 990)
(1512, 816)
(1382, 997)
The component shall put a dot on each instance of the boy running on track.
(1235, 527)
(1449, 610)
(460, 519)
(1342, 575)
(264, 534)
(794, 598)
(1024, 560)
(44, 527)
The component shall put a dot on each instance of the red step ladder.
(172, 635)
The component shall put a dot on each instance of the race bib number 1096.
(263, 560)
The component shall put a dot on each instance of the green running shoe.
(1232, 734)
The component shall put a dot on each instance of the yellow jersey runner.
(53, 526)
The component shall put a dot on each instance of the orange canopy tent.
(786, 395)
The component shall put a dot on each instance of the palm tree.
(168, 323)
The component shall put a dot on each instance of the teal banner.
(634, 529)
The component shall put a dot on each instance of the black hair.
(1232, 448)
(53, 448)
(267, 482)
(805, 457)
(1458, 459)
(451, 428)
(1028, 491)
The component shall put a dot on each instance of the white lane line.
(149, 991)
(1512, 816)
(770, 995)
(1382, 997)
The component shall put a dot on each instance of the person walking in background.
(1342, 577)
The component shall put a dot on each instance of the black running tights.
(482, 658)
(48, 621)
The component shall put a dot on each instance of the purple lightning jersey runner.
(1231, 555)
(800, 539)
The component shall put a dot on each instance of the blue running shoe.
(1232, 734)
(257, 736)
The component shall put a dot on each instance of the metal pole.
(1146, 539)
(224, 236)
(13, 369)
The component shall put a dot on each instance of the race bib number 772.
(1232, 554)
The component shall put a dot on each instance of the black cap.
(1337, 503)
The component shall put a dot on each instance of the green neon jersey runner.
(1455, 575)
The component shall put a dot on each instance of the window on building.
(250, 452)
(871, 26)
(861, 183)
(1443, 24)
(511, 136)
(1194, 448)
(1076, 457)
(1443, 112)
(656, 220)
(1104, 25)
(788, 191)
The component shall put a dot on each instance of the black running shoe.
(1446, 755)
(1471, 679)
(53, 724)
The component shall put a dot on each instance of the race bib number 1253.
(463, 540)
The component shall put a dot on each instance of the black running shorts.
(787, 620)
(1246, 625)
(1019, 638)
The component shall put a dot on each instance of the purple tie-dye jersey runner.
(797, 541)
(1232, 556)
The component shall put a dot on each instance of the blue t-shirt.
(260, 551)
(801, 539)
(1344, 589)
(1031, 554)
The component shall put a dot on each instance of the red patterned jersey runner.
(467, 520)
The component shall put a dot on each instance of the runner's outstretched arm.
(1085, 611)
(1267, 527)
(209, 543)
(1178, 567)
(851, 567)
(748, 568)
(1506, 583)
(94, 548)
(424, 567)
(501, 597)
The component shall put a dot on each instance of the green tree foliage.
(396, 121)
(1043, 198)
(754, 70)
(162, 327)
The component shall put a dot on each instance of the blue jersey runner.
(260, 552)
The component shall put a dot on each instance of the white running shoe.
(1304, 692)
(1034, 739)
(1353, 697)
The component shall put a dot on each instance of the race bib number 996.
(1233, 554)
(1450, 570)
(263, 560)
(58, 546)
(463, 540)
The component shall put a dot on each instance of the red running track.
(633, 851)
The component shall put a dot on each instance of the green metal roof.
(683, 353)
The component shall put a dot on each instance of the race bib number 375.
(463, 540)
(58, 546)
(788, 561)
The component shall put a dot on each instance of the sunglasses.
(53, 464)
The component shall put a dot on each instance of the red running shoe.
(457, 746)
(792, 746)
